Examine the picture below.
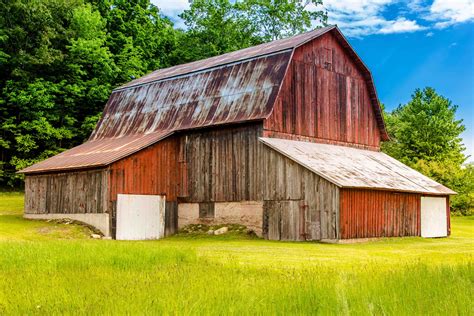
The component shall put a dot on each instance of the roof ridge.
(245, 53)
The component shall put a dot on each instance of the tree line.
(60, 60)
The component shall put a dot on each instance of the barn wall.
(298, 204)
(67, 193)
(153, 170)
(150, 171)
(222, 165)
(370, 213)
(324, 98)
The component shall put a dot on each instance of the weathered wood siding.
(223, 165)
(370, 213)
(298, 204)
(324, 98)
(71, 192)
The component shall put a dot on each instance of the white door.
(140, 217)
(434, 222)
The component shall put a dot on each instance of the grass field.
(49, 268)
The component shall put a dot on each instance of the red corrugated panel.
(151, 171)
(370, 213)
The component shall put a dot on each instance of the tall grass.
(43, 274)
(93, 278)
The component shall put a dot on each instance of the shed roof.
(349, 167)
(96, 153)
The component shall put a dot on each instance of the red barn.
(283, 137)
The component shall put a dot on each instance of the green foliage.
(276, 19)
(214, 27)
(425, 135)
(60, 60)
(220, 26)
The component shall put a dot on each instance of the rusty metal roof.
(233, 93)
(349, 167)
(236, 87)
(96, 153)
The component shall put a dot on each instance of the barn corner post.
(448, 214)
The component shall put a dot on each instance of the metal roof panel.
(349, 167)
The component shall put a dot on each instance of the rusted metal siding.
(325, 97)
(371, 213)
(298, 204)
(72, 192)
(222, 165)
(235, 93)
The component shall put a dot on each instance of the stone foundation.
(248, 213)
(97, 220)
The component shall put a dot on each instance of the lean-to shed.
(283, 137)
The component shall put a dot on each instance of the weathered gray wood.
(72, 192)
(223, 165)
(171, 218)
(285, 180)
(206, 210)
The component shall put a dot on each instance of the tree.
(426, 136)
(220, 26)
(60, 60)
(276, 19)
(138, 36)
(214, 27)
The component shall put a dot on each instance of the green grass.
(50, 268)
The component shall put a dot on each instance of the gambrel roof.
(237, 87)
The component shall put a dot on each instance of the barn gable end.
(326, 97)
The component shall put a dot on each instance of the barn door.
(434, 221)
(284, 220)
(140, 217)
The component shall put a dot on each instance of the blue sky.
(407, 45)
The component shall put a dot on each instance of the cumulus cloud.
(358, 18)
(446, 13)
(401, 25)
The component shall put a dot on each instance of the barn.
(283, 137)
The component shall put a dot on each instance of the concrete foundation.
(99, 221)
(248, 213)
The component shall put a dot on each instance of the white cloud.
(429, 34)
(401, 25)
(358, 18)
(446, 13)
